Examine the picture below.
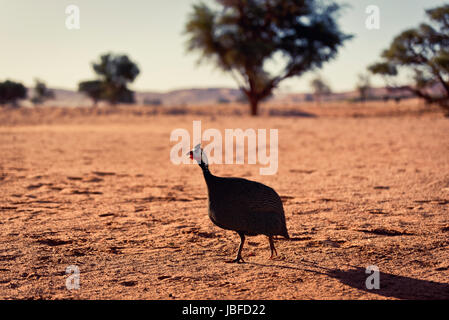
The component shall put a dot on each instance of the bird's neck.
(208, 176)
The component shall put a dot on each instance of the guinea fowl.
(247, 207)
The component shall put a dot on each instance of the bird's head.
(198, 155)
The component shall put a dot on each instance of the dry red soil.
(95, 188)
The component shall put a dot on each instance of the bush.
(152, 102)
(11, 91)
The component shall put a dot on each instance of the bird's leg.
(239, 259)
(273, 249)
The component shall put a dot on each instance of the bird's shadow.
(393, 286)
(390, 285)
(277, 266)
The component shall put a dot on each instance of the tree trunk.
(254, 104)
(445, 106)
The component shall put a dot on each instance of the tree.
(320, 88)
(425, 52)
(41, 92)
(114, 73)
(363, 86)
(11, 91)
(243, 36)
(93, 89)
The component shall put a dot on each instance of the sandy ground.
(96, 189)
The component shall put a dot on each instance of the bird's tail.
(285, 234)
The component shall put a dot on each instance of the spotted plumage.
(247, 207)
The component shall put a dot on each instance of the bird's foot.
(236, 260)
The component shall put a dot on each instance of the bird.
(247, 207)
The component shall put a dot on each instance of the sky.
(35, 42)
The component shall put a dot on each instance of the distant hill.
(190, 96)
(375, 93)
(201, 96)
(70, 98)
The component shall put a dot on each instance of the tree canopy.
(93, 89)
(242, 36)
(363, 86)
(11, 91)
(41, 92)
(114, 72)
(320, 88)
(424, 50)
